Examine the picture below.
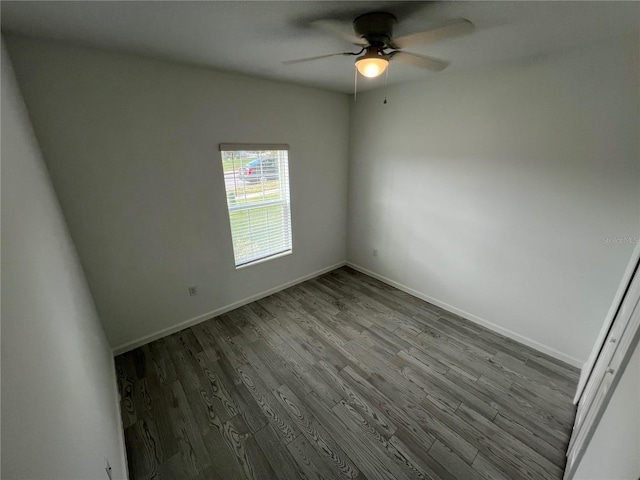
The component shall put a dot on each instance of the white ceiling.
(254, 37)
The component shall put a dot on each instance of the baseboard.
(450, 308)
(124, 461)
(219, 311)
(474, 318)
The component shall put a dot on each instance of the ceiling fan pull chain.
(386, 85)
(355, 83)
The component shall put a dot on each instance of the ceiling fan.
(373, 33)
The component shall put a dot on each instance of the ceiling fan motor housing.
(376, 28)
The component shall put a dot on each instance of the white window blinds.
(256, 179)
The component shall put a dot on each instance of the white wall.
(59, 411)
(614, 451)
(132, 147)
(491, 191)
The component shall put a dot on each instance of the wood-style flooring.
(343, 377)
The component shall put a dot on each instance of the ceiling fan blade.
(339, 29)
(454, 28)
(301, 60)
(419, 61)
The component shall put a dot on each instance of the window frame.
(284, 201)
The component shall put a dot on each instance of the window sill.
(263, 260)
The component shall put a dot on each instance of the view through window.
(256, 179)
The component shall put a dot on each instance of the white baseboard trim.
(124, 461)
(474, 318)
(450, 308)
(219, 311)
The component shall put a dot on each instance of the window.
(256, 178)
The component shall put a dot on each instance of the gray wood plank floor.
(343, 377)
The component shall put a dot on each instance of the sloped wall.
(59, 409)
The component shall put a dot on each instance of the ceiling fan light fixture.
(371, 64)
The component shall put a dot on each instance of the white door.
(615, 305)
(608, 360)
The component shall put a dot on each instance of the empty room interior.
(320, 240)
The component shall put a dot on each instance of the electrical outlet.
(375, 252)
(107, 467)
(193, 291)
